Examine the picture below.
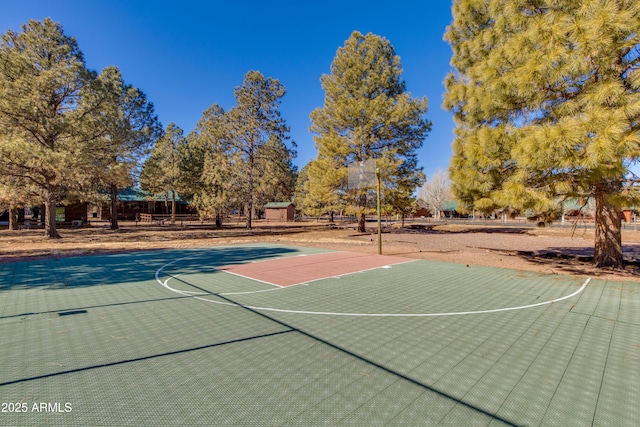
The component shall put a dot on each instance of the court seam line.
(327, 313)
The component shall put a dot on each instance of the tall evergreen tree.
(43, 118)
(367, 114)
(130, 126)
(546, 102)
(209, 163)
(161, 172)
(310, 200)
(300, 196)
(399, 194)
(254, 125)
(277, 172)
(326, 185)
(15, 191)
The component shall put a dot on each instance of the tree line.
(235, 159)
(545, 95)
(70, 133)
(65, 130)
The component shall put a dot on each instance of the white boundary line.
(264, 281)
(251, 278)
(329, 313)
(302, 283)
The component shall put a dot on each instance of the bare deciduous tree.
(434, 193)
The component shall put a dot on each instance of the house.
(132, 202)
(449, 210)
(279, 211)
(422, 212)
(75, 213)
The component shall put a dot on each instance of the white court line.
(329, 313)
(252, 278)
(301, 283)
(249, 277)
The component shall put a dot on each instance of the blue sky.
(188, 55)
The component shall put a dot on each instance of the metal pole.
(379, 220)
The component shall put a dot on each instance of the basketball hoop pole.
(378, 203)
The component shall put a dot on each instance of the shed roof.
(278, 205)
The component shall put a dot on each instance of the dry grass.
(552, 249)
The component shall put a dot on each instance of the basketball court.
(273, 335)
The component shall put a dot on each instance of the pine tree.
(161, 172)
(240, 154)
(546, 101)
(276, 171)
(209, 166)
(254, 124)
(15, 191)
(300, 194)
(399, 194)
(43, 117)
(367, 114)
(316, 200)
(129, 128)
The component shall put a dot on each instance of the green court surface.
(165, 338)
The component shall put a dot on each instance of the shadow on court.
(117, 269)
(142, 358)
(83, 310)
(370, 362)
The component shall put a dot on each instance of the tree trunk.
(608, 234)
(362, 228)
(250, 188)
(114, 207)
(173, 206)
(331, 216)
(50, 230)
(13, 216)
(218, 220)
(249, 213)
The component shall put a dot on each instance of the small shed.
(628, 215)
(422, 212)
(279, 211)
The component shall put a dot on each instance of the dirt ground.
(556, 250)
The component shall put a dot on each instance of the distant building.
(32, 216)
(132, 202)
(423, 212)
(449, 210)
(75, 213)
(279, 211)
